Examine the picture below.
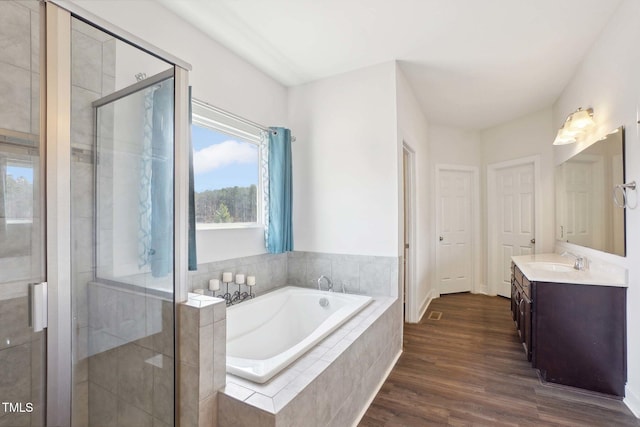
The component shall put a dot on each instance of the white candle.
(251, 280)
(198, 291)
(227, 277)
(240, 279)
(214, 285)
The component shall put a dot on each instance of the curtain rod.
(233, 116)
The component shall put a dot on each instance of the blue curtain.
(193, 259)
(161, 253)
(280, 227)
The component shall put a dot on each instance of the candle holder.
(251, 282)
(227, 296)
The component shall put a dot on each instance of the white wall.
(607, 80)
(345, 163)
(454, 146)
(219, 77)
(413, 131)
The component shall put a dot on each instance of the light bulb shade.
(563, 137)
(582, 119)
(575, 127)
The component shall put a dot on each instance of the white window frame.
(208, 116)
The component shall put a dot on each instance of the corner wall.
(607, 80)
(413, 130)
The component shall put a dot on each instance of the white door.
(454, 247)
(582, 201)
(515, 219)
(579, 200)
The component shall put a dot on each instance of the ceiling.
(473, 64)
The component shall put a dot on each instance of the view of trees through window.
(226, 173)
(18, 193)
(231, 204)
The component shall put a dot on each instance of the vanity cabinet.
(521, 308)
(574, 334)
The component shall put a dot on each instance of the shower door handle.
(38, 306)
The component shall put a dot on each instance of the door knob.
(533, 241)
(441, 238)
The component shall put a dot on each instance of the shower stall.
(93, 229)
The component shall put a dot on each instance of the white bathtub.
(266, 334)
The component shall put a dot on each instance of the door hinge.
(38, 306)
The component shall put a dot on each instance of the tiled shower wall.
(21, 351)
(93, 68)
(360, 274)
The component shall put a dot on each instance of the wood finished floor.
(469, 369)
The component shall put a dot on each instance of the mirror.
(585, 212)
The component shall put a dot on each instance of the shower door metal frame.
(58, 214)
(58, 194)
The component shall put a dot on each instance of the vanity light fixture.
(575, 126)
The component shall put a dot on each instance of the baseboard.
(481, 289)
(425, 304)
(377, 389)
(632, 400)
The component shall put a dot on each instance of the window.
(18, 192)
(226, 168)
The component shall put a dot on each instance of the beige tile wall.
(202, 368)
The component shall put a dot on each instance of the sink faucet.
(580, 263)
(326, 279)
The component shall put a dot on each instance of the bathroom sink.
(551, 266)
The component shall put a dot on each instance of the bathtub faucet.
(329, 283)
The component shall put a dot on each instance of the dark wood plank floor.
(468, 369)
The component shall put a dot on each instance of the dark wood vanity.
(574, 334)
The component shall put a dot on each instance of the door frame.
(475, 223)
(411, 314)
(492, 239)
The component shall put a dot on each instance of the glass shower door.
(122, 145)
(22, 351)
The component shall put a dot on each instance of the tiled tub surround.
(270, 271)
(361, 274)
(201, 371)
(331, 385)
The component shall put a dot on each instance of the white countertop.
(598, 275)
